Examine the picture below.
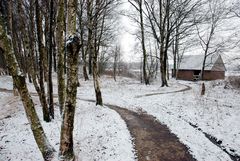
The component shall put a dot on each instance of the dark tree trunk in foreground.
(60, 51)
(33, 64)
(66, 142)
(66, 152)
(19, 81)
(50, 84)
(42, 51)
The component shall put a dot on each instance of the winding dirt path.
(153, 141)
(159, 93)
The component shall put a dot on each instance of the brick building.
(191, 66)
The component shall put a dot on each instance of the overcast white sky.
(126, 37)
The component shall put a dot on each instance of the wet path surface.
(153, 141)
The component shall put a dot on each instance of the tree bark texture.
(94, 49)
(66, 143)
(145, 75)
(96, 82)
(60, 50)
(42, 53)
(50, 55)
(90, 34)
(72, 16)
(19, 81)
(81, 25)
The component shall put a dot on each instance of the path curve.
(159, 93)
(153, 141)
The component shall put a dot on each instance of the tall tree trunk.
(96, 82)
(33, 63)
(203, 66)
(73, 46)
(19, 80)
(65, 34)
(46, 10)
(50, 84)
(175, 53)
(10, 32)
(66, 142)
(54, 53)
(81, 26)
(41, 49)
(162, 67)
(115, 64)
(145, 75)
(94, 49)
(85, 68)
(90, 34)
(24, 39)
(60, 49)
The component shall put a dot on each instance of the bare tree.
(116, 59)
(138, 5)
(50, 56)
(164, 17)
(184, 29)
(99, 33)
(212, 18)
(19, 80)
(60, 49)
(73, 46)
(42, 52)
(82, 24)
(161, 26)
(235, 9)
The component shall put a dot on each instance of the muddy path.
(186, 88)
(153, 141)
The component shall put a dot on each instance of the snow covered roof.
(194, 62)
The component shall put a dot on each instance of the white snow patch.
(99, 133)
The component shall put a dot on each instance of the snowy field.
(217, 113)
(100, 134)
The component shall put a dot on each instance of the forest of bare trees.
(40, 39)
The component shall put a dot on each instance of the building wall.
(208, 75)
(213, 75)
(185, 74)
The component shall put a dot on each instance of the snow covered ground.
(100, 134)
(217, 113)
